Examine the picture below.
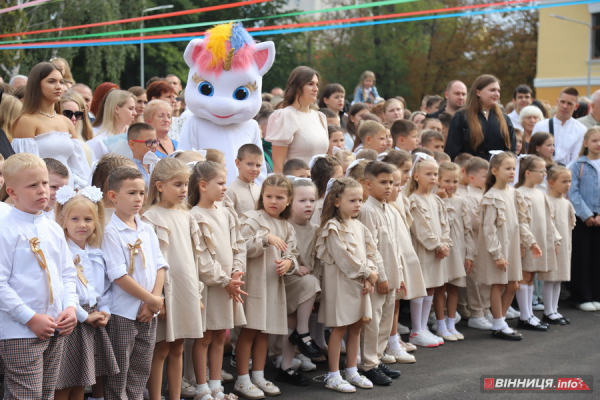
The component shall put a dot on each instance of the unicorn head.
(225, 78)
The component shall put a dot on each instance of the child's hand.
(468, 266)
(445, 250)
(156, 304)
(163, 313)
(501, 264)
(103, 321)
(442, 193)
(234, 291)
(591, 221)
(283, 266)
(402, 288)
(42, 325)
(536, 251)
(383, 287)
(145, 314)
(93, 318)
(368, 288)
(373, 278)
(556, 249)
(66, 321)
(279, 244)
(201, 305)
(302, 270)
(236, 276)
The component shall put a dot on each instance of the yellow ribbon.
(39, 255)
(135, 249)
(79, 267)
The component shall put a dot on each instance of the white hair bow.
(150, 159)
(517, 166)
(329, 185)
(494, 153)
(382, 156)
(352, 165)
(314, 159)
(293, 178)
(66, 193)
(420, 157)
(336, 149)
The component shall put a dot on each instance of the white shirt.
(568, 138)
(24, 287)
(117, 236)
(97, 290)
(49, 214)
(514, 118)
(4, 209)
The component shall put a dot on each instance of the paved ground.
(453, 371)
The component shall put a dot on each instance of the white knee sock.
(304, 312)
(522, 300)
(288, 350)
(317, 330)
(530, 289)
(555, 297)
(416, 305)
(548, 294)
(427, 300)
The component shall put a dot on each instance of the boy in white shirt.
(136, 267)
(37, 284)
(243, 191)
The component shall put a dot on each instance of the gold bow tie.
(79, 267)
(41, 259)
(135, 249)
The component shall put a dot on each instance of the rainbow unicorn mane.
(225, 47)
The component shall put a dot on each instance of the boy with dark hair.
(243, 191)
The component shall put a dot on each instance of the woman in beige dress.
(177, 233)
(221, 266)
(271, 252)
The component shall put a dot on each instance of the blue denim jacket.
(359, 96)
(585, 189)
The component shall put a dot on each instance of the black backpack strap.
(551, 126)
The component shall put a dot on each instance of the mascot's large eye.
(241, 93)
(206, 89)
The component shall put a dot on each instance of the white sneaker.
(296, 363)
(489, 317)
(401, 356)
(589, 306)
(226, 377)
(458, 318)
(597, 305)
(248, 390)
(403, 330)
(435, 337)
(306, 363)
(268, 388)
(480, 323)
(187, 391)
(512, 313)
(388, 359)
(423, 340)
(537, 306)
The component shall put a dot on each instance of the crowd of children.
(160, 260)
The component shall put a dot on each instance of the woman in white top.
(298, 131)
(119, 112)
(73, 107)
(43, 131)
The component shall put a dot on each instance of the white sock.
(244, 378)
(317, 330)
(530, 289)
(497, 324)
(425, 311)
(547, 294)
(451, 325)
(216, 385)
(332, 374)
(555, 297)
(258, 376)
(416, 305)
(351, 371)
(522, 300)
(442, 325)
(202, 388)
(507, 329)
(393, 342)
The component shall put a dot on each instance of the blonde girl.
(366, 90)
(559, 183)
(393, 110)
(81, 215)
(301, 288)
(532, 172)
(178, 236)
(503, 230)
(356, 171)
(346, 158)
(585, 196)
(431, 240)
(222, 264)
(271, 251)
(336, 139)
(460, 262)
(349, 256)
(322, 169)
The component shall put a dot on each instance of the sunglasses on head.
(69, 114)
(149, 142)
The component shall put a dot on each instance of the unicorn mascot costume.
(224, 92)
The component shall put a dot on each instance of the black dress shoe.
(292, 377)
(378, 377)
(392, 373)
(555, 321)
(529, 326)
(567, 320)
(507, 336)
(308, 348)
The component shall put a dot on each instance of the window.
(596, 35)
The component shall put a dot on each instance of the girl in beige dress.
(503, 230)
(323, 168)
(431, 240)
(221, 266)
(349, 256)
(559, 182)
(177, 233)
(460, 261)
(272, 254)
(532, 172)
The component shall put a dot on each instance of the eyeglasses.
(149, 143)
(69, 114)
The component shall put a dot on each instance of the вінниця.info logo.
(505, 383)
